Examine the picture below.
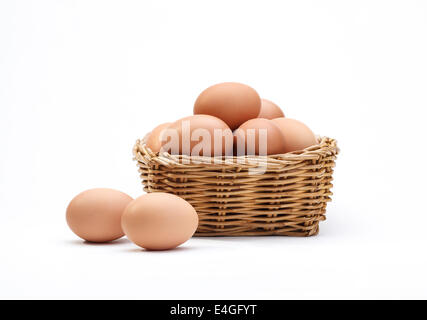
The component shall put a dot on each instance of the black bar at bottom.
(212, 309)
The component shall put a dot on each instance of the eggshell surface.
(196, 135)
(297, 135)
(275, 142)
(270, 110)
(232, 102)
(95, 215)
(159, 221)
(154, 139)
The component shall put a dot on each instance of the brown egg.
(154, 140)
(201, 134)
(232, 102)
(159, 221)
(95, 215)
(259, 137)
(297, 135)
(270, 110)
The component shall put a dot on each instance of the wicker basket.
(288, 199)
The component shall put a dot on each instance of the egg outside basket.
(288, 199)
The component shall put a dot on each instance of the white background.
(80, 81)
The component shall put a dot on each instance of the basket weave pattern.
(288, 199)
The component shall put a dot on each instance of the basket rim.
(326, 147)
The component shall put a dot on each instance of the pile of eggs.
(161, 221)
(240, 115)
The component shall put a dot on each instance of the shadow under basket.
(282, 194)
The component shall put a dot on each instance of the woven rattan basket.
(288, 199)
